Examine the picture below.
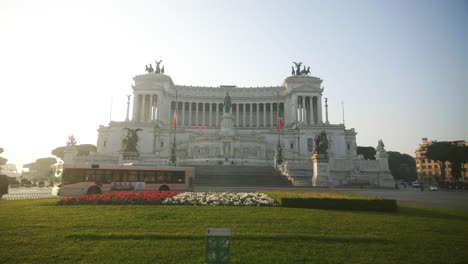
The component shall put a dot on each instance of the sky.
(66, 67)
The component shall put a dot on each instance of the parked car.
(416, 184)
(433, 188)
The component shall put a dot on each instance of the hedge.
(335, 201)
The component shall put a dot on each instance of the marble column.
(271, 114)
(190, 114)
(264, 114)
(183, 113)
(203, 114)
(250, 115)
(319, 106)
(196, 114)
(209, 115)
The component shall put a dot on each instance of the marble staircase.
(242, 176)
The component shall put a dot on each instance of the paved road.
(440, 199)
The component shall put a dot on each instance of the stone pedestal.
(321, 170)
(69, 154)
(129, 156)
(226, 135)
(227, 125)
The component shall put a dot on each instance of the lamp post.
(279, 154)
(298, 132)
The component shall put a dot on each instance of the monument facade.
(230, 125)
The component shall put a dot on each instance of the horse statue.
(307, 72)
(149, 69)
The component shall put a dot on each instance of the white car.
(433, 188)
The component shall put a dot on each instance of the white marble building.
(248, 135)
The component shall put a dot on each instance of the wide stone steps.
(258, 176)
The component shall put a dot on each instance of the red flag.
(174, 120)
(280, 120)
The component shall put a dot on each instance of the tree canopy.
(3, 161)
(41, 168)
(83, 150)
(367, 152)
(402, 166)
(447, 151)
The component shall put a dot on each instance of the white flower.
(221, 198)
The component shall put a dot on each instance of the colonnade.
(308, 110)
(244, 114)
(145, 107)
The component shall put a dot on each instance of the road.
(440, 199)
(453, 199)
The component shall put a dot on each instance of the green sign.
(218, 246)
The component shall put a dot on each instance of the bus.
(96, 179)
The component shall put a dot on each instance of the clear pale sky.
(401, 67)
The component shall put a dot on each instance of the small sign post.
(218, 246)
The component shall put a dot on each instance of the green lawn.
(37, 231)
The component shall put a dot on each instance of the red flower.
(145, 197)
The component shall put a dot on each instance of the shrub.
(336, 201)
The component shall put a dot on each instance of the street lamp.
(279, 150)
(298, 133)
(173, 157)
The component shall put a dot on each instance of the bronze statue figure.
(130, 141)
(162, 69)
(298, 67)
(321, 143)
(299, 71)
(227, 103)
(158, 69)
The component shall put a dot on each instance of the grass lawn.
(38, 231)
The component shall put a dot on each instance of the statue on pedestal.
(158, 69)
(321, 143)
(130, 141)
(227, 103)
(71, 141)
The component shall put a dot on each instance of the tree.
(367, 152)
(402, 166)
(41, 168)
(459, 156)
(3, 161)
(440, 151)
(83, 150)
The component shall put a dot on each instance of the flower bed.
(220, 198)
(119, 198)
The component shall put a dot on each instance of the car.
(433, 188)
